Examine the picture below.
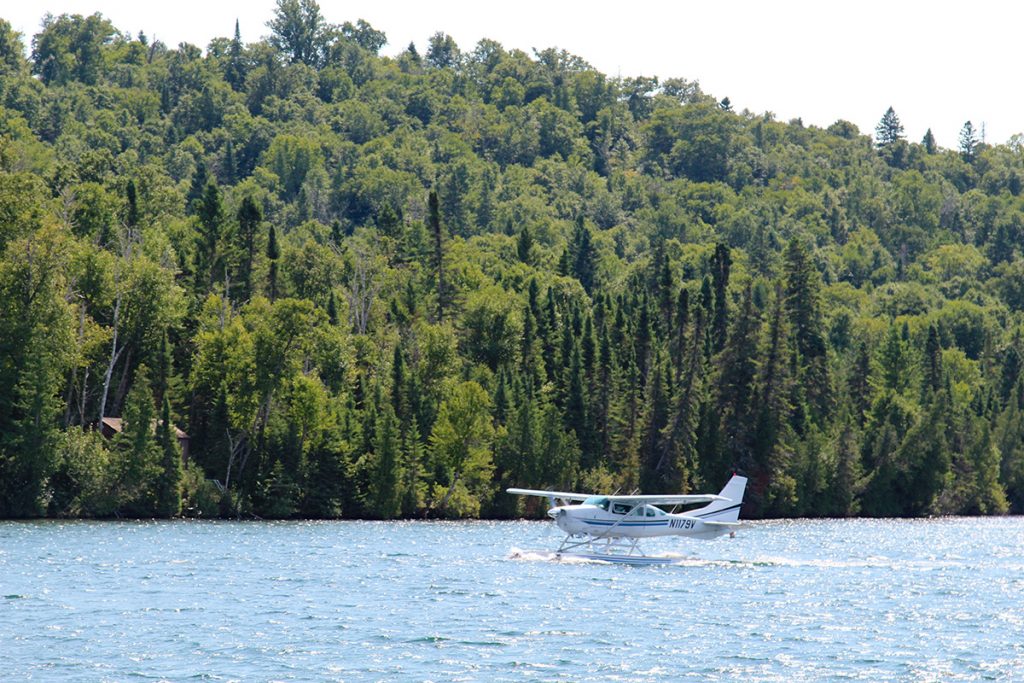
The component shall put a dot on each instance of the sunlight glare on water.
(352, 601)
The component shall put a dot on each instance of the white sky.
(937, 63)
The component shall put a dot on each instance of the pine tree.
(657, 473)
(234, 70)
(140, 464)
(524, 246)
(209, 267)
(168, 483)
(581, 255)
(550, 318)
(273, 253)
(968, 142)
(249, 217)
(682, 322)
(576, 409)
(200, 179)
(858, 384)
(438, 234)
(924, 459)
(846, 485)
(721, 261)
(677, 445)
(933, 379)
(131, 218)
(803, 307)
(736, 380)
(412, 472)
(894, 362)
(930, 147)
(332, 309)
(385, 489)
(889, 130)
(772, 485)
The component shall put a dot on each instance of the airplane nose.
(553, 513)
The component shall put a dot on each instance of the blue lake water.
(868, 600)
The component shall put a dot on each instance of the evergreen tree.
(273, 253)
(847, 483)
(968, 142)
(131, 218)
(168, 484)
(439, 253)
(804, 311)
(385, 484)
(575, 407)
(736, 380)
(581, 255)
(930, 147)
(889, 129)
(894, 362)
(769, 462)
(924, 459)
(140, 465)
(933, 379)
(524, 245)
(209, 266)
(657, 473)
(412, 472)
(678, 447)
(332, 309)
(858, 384)
(249, 217)
(721, 261)
(200, 180)
(235, 69)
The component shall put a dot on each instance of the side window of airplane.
(620, 508)
(650, 512)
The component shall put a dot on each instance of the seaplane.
(609, 528)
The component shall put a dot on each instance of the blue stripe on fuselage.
(600, 523)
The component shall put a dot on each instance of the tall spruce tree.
(968, 142)
(273, 254)
(249, 217)
(889, 129)
(803, 307)
(721, 262)
(168, 483)
(437, 232)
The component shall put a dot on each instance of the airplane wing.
(629, 500)
(666, 499)
(561, 495)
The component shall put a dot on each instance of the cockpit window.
(621, 508)
(597, 501)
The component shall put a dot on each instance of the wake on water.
(679, 560)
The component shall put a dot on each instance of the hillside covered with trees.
(372, 286)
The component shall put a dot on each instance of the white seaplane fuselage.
(610, 527)
(600, 517)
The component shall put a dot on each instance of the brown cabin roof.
(116, 424)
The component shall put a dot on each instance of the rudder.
(724, 510)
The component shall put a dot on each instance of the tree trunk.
(115, 353)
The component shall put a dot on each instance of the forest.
(373, 286)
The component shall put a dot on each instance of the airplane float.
(609, 528)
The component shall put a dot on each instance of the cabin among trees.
(112, 426)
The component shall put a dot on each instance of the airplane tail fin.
(724, 510)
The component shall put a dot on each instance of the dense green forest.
(372, 286)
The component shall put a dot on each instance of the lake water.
(867, 600)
